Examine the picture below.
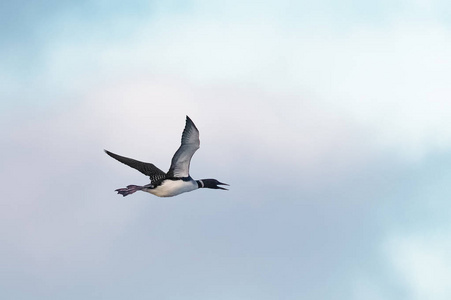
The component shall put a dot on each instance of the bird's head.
(211, 184)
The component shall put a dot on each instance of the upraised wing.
(182, 158)
(148, 169)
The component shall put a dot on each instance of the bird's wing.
(182, 158)
(148, 169)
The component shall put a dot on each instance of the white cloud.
(391, 79)
(422, 265)
(396, 84)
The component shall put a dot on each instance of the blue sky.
(330, 120)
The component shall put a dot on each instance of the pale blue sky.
(330, 120)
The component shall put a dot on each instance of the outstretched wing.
(182, 158)
(148, 169)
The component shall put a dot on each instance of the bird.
(177, 180)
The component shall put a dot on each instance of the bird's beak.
(222, 187)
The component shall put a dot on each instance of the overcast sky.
(331, 121)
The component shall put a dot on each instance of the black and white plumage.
(177, 180)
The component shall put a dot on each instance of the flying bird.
(177, 180)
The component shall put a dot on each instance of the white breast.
(171, 188)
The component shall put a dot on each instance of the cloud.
(422, 264)
(390, 79)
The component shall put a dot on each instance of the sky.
(330, 120)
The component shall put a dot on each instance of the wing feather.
(190, 143)
(148, 169)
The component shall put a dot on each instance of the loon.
(177, 180)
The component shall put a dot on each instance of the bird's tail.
(130, 189)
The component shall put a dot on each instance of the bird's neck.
(200, 184)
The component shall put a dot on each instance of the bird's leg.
(130, 189)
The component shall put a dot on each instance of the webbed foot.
(130, 189)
